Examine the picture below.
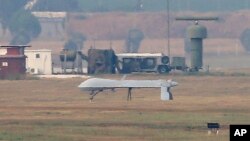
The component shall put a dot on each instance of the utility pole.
(168, 28)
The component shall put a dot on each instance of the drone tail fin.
(166, 93)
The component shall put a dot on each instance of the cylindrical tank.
(196, 53)
(196, 33)
(68, 55)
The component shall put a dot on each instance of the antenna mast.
(168, 28)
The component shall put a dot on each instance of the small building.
(52, 23)
(12, 61)
(39, 61)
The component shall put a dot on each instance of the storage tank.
(196, 33)
(68, 55)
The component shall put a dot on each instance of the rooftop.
(139, 54)
(12, 56)
(38, 50)
(14, 46)
(50, 15)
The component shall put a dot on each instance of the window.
(37, 55)
(5, 64)
(148, 63)
(128, 60)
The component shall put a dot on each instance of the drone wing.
(164, 85)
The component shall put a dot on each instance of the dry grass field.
(56, 110)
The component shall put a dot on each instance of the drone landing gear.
(93, 94)
(170, 94)
(129, 98)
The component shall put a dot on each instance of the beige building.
(53, 25)
(39, 61)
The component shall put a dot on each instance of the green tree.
(78, 38)
(70, 45)
(24, 27)
(7, 10)
(22, 24)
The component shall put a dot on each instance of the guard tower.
(196, 33)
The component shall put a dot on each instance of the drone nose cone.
(82, 85)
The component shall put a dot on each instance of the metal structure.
(168, 29)
(97, 85)
(196, 33)
(101, 61)
(67, 58)
(179, 63)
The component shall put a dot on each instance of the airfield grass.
(56, 110)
